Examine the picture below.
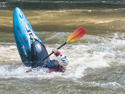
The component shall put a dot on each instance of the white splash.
(97, 54)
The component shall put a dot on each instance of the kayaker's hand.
(55, 50)
(29, 70)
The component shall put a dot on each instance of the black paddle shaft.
(53, 52)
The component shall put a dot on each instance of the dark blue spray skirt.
(30, 47)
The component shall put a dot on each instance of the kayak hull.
(24, 37)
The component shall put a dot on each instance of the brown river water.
(97, 60)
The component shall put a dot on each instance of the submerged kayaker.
(58, 65)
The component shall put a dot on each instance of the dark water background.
(97, 60)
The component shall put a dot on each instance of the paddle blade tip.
(77, 34)
(81, 29)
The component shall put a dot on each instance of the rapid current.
(97, 60)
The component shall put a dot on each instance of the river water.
(97, 60)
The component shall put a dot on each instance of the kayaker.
(58, 65)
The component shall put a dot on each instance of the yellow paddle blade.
(77, 34)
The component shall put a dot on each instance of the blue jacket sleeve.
(51, 64)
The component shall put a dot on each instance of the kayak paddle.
(77, 34)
